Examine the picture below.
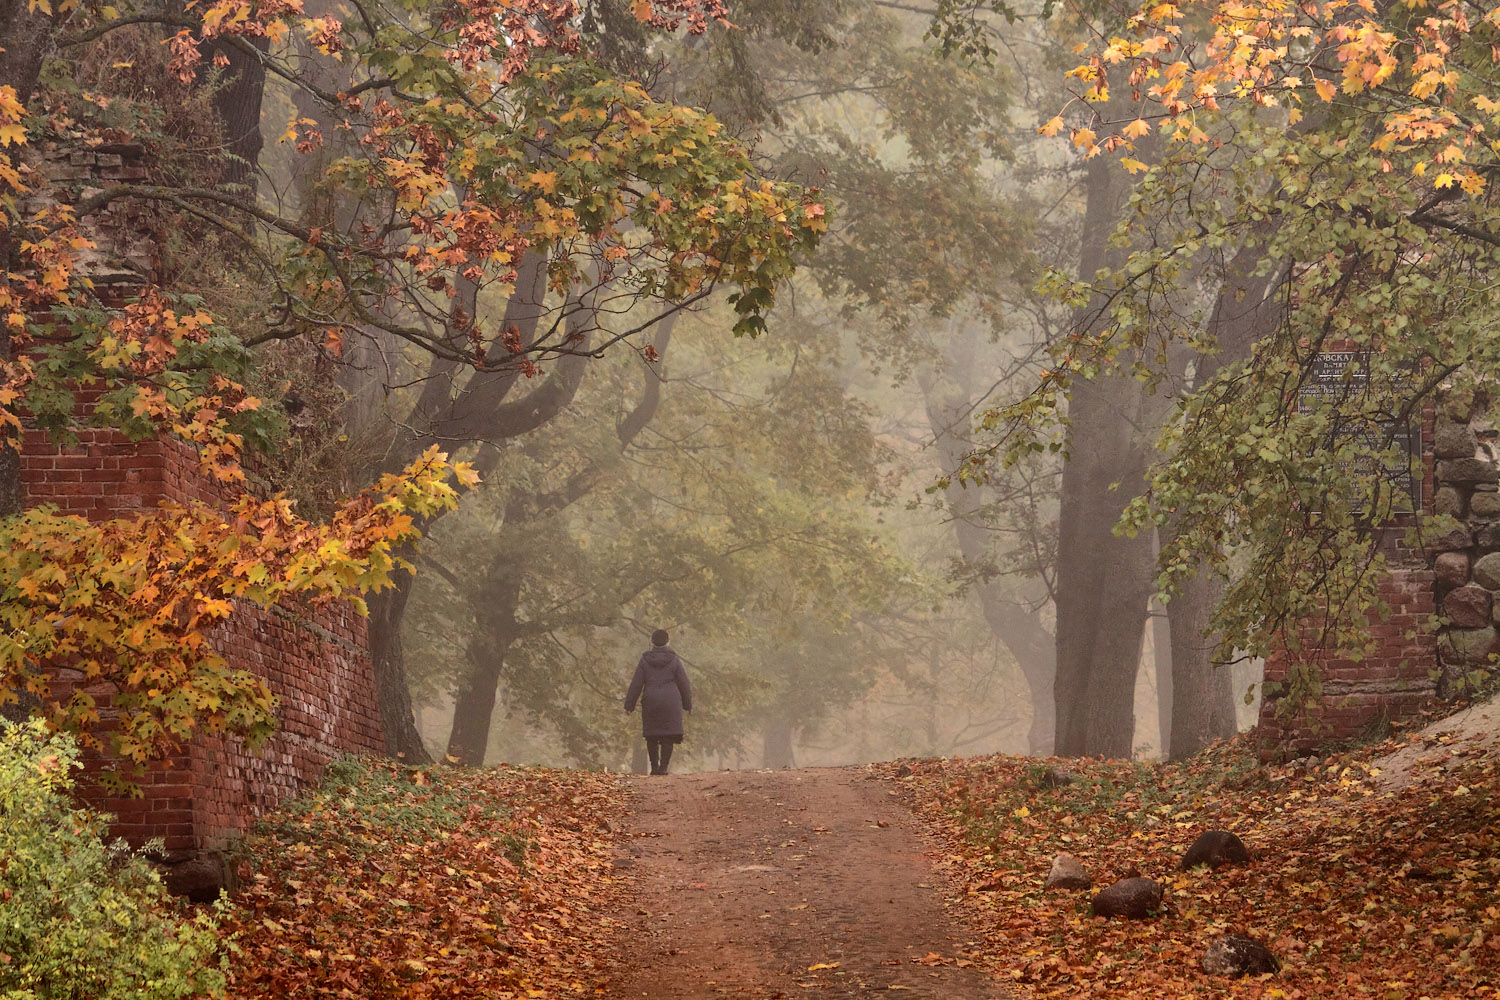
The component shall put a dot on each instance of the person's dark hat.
(659, 637)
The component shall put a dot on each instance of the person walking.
(661, 686)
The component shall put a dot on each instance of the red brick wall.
(316, 660)
(1394, 683)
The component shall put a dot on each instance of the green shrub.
(81, 919)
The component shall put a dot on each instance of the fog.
(786, 505)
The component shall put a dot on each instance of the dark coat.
(661, 686)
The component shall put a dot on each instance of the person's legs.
(666, 755)
(653, 750)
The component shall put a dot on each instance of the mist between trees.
(897, 367)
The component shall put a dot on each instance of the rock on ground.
(1068, 873)
(1235, 955)
(1215, 848)
(1132, 898)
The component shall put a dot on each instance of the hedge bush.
(81, 919)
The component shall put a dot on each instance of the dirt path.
(799, 883)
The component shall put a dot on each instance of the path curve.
(811, 882)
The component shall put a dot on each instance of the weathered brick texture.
(1392, 684)
(316, 660)
(1445, 621)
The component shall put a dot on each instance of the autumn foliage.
(484, 133)
(131, 602)
(1360, 889)
(1406, 63)
(390, 881)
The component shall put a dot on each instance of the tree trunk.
(238, 103)
(495, 621)
(1203, 708)
(1161, 656)
(1104, 581)
(1202, 694)
(1014, 625)
(474, 707)
(777, 743)
(391, 690)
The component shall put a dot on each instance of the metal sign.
(1336, 376)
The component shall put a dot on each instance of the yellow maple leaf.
(544, 179)
(1325, 88)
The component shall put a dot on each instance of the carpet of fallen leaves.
(393, 881)
(1359, 892)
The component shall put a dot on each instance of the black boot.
(666, 755)
(654, 751)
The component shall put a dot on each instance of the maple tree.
(491, 149)
(752, 78)
(1306, 178)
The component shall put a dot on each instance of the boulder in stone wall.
(1484, 503)
(1449, 502)
(1235, 955)
(1131, 898)
(1068, 873)
(1467, 470)
(1468, 646)
(1487, 571)
(1455, 540)
(1468, 607)
(1451, 569)
(1215, 848)
(1450, 440)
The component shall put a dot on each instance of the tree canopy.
(476, 137)
(1311, 179)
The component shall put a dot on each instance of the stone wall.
(1467, 558)
(316, 661)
